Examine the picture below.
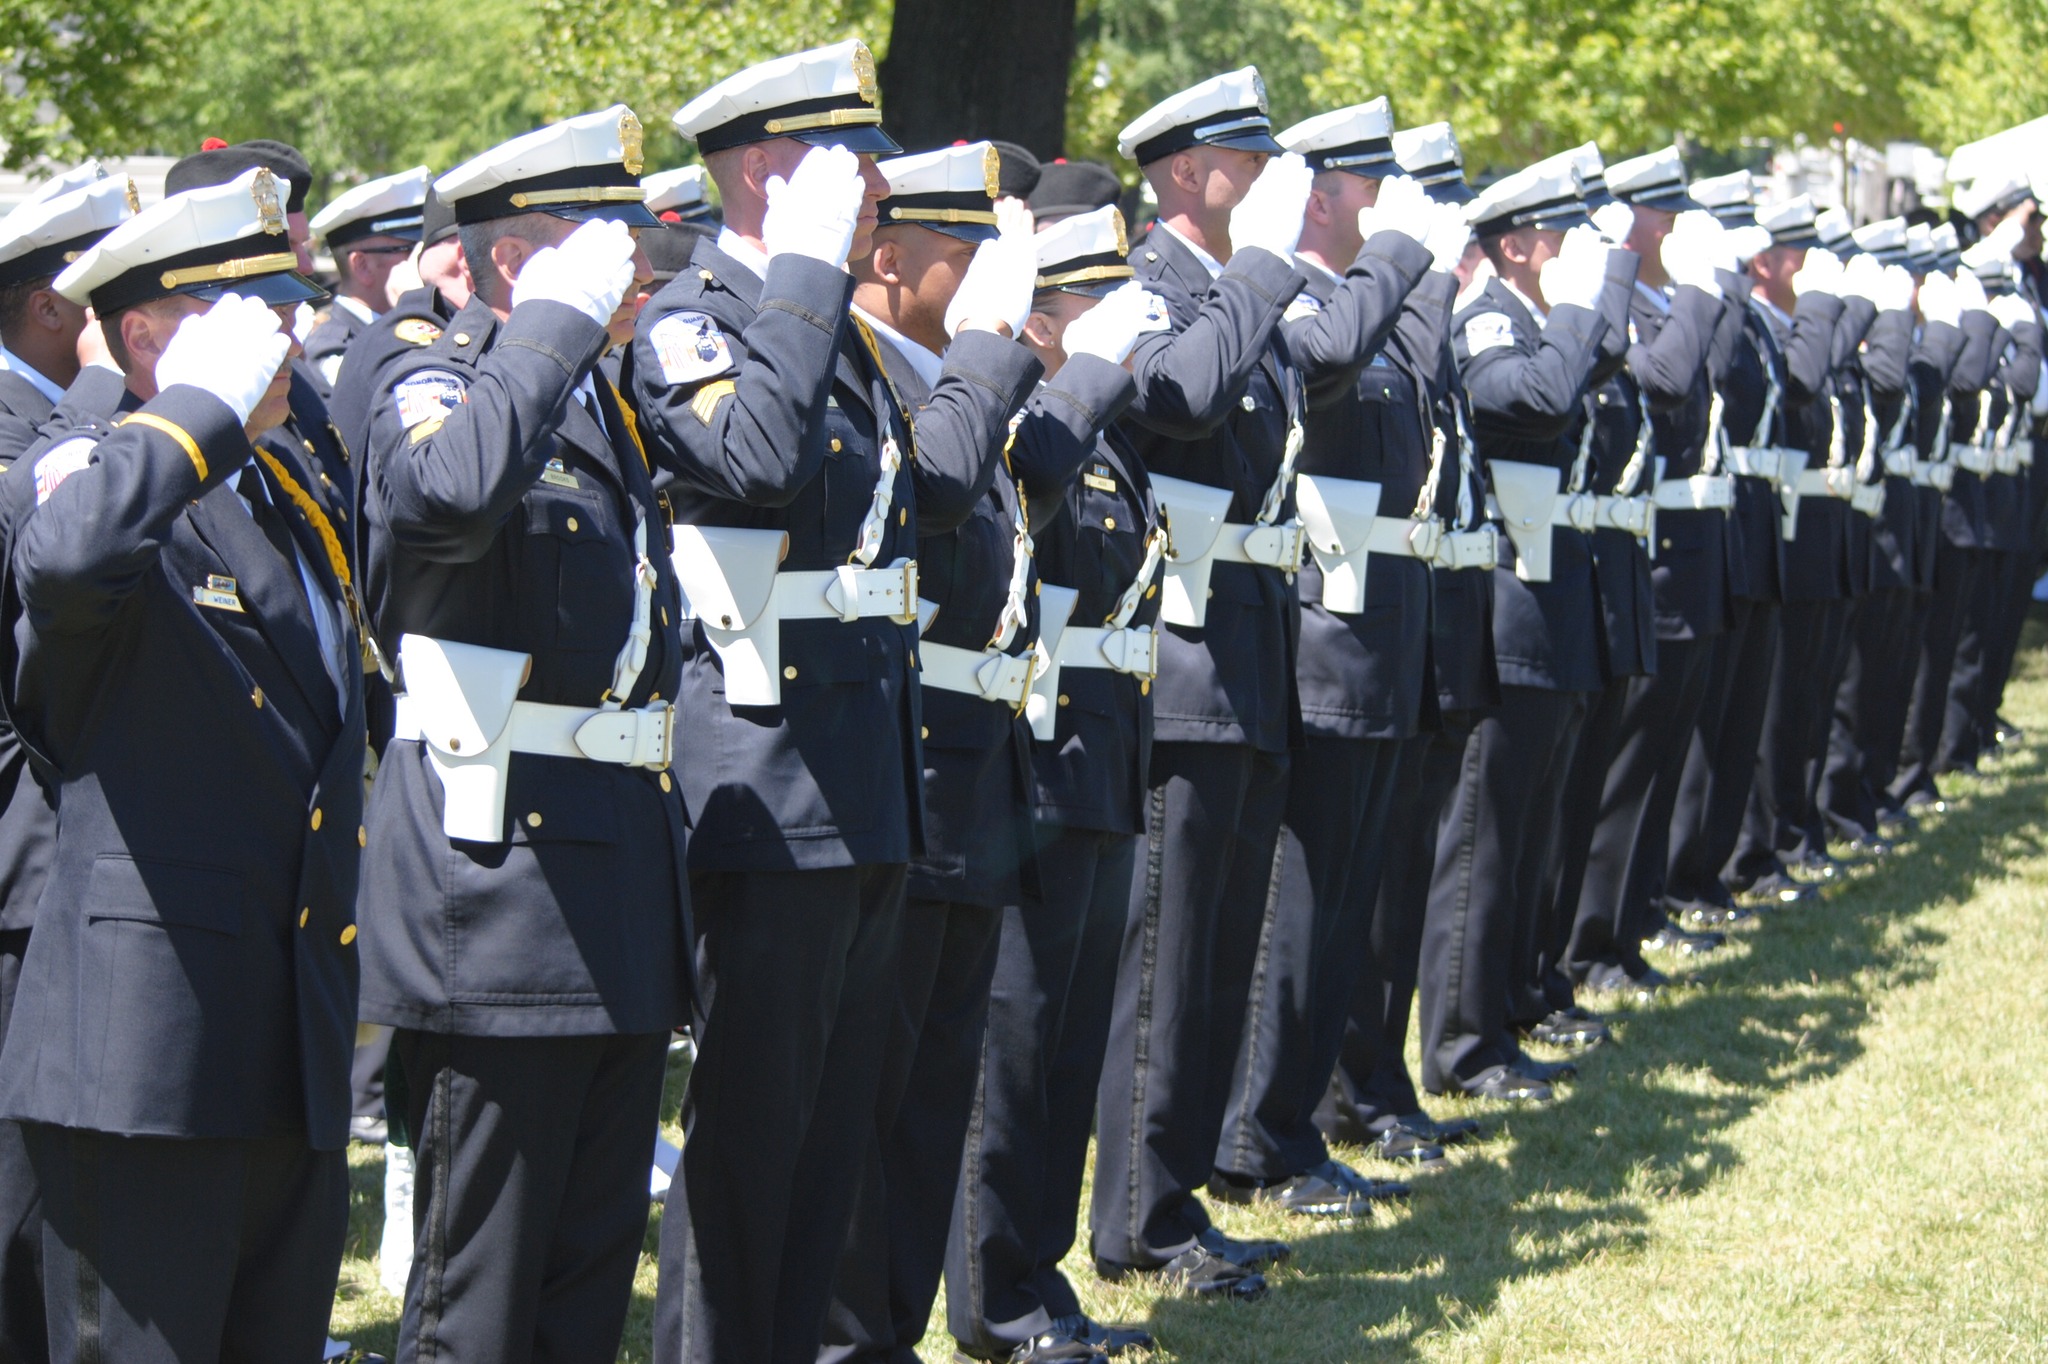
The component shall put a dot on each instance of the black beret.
(1066, 188)
(220, 165)
(1019, 175)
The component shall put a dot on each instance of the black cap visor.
(1673, 199)
(632, 215)
(862, 139)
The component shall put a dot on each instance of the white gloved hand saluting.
(1270, 216)
(1863, 277)
(1402, 207)
(1689, 257)
(815, 211)
(1970, 293)
(1709, 235)
(590, 270)
(232, 350)
(999, 280)
(1822, 274)
(1112, 327)
(1448, 237)
(1896, 291)
(1578, 273)
(1615, 221)
(1939, 301)
(2011, 311)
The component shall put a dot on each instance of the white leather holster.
(461, 702)
(1055, 611)
(1525, 498)
(1339, 514)
(1791, 469)
(733, 586)
(1701, 492)
(2006, 459)
(1975, 457)
(2023, 450)
(1200, 538)
(1899, 463)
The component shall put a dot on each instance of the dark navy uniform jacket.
(783, 430)
(977, 758)
(1754, 360)
(1363, 676)
(1851, 391)
(1670, 358)
(1614, 424)
(1462, 671)
(1213, 404)
(194, 971)
(417, 319)
(1527, 386)
(1886, 359)
(1936, 353)
(1813, 561)
(309, 433)
(500, 513)
(1963, 511)
(2019, 374)
(23, 407)
(1091, 774)
(334, 328)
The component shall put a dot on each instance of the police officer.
(1359, 668)
(39, 327)
(369, 230)
(1218, 412)
(789, 455)
(938, 260)
(1372, 1099)
(526, 916)
(178, 1056)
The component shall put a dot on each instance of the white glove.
(2006, 235)
(232, 350)
(815, 211)
(1112, 327)
(1615, 221)
(1970, 293)
(1710, 236)
(1939, 301)
(1576, 275)
(1822, 274)
(1270, 215)
(1402, 207)
(1863, 277)
(2011, 310)
(1689, 257)
(590, 270)
(1448, 236)
(1002, 275)
(1749, 242)
(1896, 291)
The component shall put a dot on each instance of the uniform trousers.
(896, 1247)
(2014, 598)
(1621, 900)
(1955, 580)
(1488, 888)
(796, 976)
(1870, 707)
(1968, 726)
(158, 1250)
(1720, 760)
(1370, 1086)
(1027, 1136)
(1775, 820)
(1313, 949)
(529, 1194)
(1184, 976)
(22, 1337)
(1841, 637)
(1542, 984)
(1881, 755)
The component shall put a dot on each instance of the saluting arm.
(961, 432)
(1188, 380)
(1886, 348)
(1809, 351)
(1534, 395)
(2020, 369)
(1058, 433)
(1331, 345)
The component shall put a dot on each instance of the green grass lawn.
(1830, 1145)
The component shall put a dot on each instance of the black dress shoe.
(1614, 978)
(1308, 1195)
(1895, 823)
(1110, 1340)
(1051, 1347)
(1777, 888)
(1501, 1082)
(1670, 939)
(1871, 845)
(1702, 914)
(1363, 1187)
(1543, 1072)
(1255, 1254)
(2008, 733)
(1923, 803)
(1573, 1028)
(1406, 1147)
(1196, 1270)
(1817, 866)
(1455, 1132)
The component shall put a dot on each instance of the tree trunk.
(979, 68)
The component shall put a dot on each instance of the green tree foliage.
(1990, 72)
(82, 76)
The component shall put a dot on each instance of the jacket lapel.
(271, 590)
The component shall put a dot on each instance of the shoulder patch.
(60, 462)
(690, 347)
(1487, 332)
(416, 331)
(1305, 304)
(427, 393)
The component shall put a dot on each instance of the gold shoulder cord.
(336, 558)
(632, 423)
(867, 336)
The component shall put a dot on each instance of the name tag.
(220, 593)
(1099, 483)
(558, 476)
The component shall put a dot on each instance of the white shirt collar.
(922, 359)
(1784, 318)
(1209, 262)
(743, 251)
(356, 306)
(44, 384)
(1536, 310)
(1325, 271)
(1656, 296)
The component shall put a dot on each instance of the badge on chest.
(559, 476)
(1100, 478)
(220, 593)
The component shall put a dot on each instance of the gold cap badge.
(1259, 91)
(134, 199)
(269, 208)
(992, 171)
(864, 72)
(1123, 242)
(631, 142)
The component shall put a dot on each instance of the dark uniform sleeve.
(1857, 316)
(1809, 350)
(1058, 432)
(961, 432)
(1979, 359)
(1886, 347)
(1728, 330)
(89, 544)
(1189, 378)
(759, 437)
(447, 485)
(1331, 345)
(1536, 396)
(2020, 370)
(1616, 298)
(1667, 365)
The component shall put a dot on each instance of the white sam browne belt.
(1345, 529)
(1199, 538)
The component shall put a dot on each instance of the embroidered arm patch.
(690, 348)
(1488, 331)
(427, 393)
